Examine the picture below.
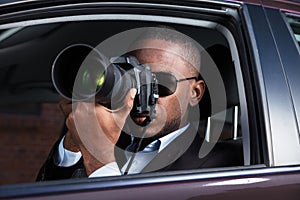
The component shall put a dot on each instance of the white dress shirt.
(66, 158)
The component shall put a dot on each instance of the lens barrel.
(81, 73)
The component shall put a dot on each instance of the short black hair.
(190, 48)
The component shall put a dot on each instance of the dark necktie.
(137, 161)
(146, 145)
(154, 146)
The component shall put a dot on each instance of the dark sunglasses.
(167, 83)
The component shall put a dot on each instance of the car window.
(32, 120)
(295, 25)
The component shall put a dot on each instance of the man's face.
(171, 111)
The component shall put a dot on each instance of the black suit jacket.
(180, 154)
(50, 171)
(184, 153)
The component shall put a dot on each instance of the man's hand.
(70, 144)
(96, 130)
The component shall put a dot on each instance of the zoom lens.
(89, 80)
(81, 73)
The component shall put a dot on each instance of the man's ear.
(198, 89)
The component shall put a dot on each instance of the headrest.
(221, 56)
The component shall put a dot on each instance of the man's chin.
(139, 129)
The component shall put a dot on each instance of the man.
(99, 140)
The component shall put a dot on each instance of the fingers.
(66, 105)
(95, 129)
(88, 117)
(128, 103)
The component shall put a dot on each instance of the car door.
(251, 104)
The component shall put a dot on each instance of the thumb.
(121, 114)
(130, 98)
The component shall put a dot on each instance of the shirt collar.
(167, 139)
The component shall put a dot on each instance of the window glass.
(32, 120)
(295, 25)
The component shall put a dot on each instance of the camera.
(81, 73)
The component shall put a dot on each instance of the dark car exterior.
(263, 38)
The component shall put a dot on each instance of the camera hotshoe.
(81, 73)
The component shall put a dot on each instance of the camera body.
(81, 73)
(141, 78)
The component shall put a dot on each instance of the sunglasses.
(167, 83)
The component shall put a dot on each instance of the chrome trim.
(155, 18)
(17, 2)
(225, 11)
(291, 14)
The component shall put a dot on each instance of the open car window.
(31, 119)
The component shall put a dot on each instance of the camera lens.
(81, 73)
(90, 80)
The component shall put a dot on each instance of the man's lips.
(140, 119)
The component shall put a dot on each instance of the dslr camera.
(81, 73)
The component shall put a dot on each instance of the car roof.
(281, 4)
